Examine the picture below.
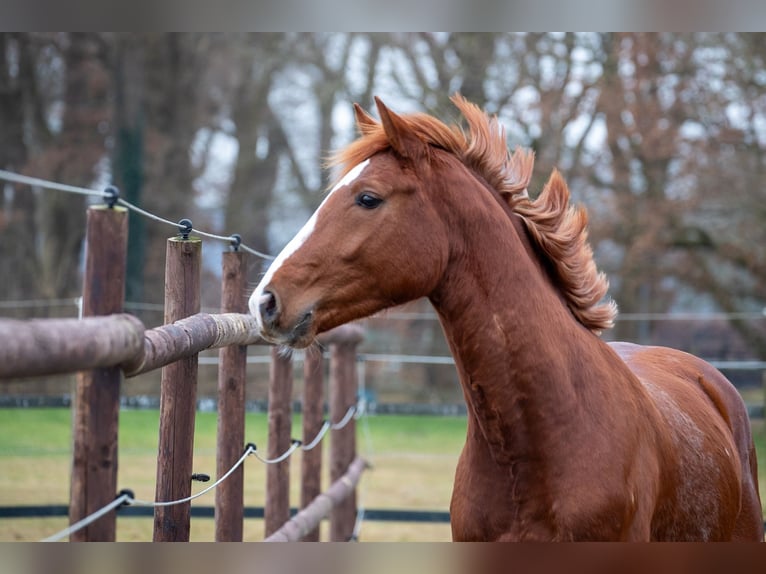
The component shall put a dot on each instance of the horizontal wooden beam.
(35, 347)
(56, 346)
(168, 343)
(309, 518)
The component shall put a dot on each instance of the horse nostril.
(267, 305)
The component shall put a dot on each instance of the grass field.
(414, 461)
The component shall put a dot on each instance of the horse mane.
(557, 229)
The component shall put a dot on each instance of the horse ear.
(364, 121)
(402, 140)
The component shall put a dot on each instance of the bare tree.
(255, 58)
(660, 135)
(128, 148)
(67, 147)
(171, 109)
(682, 171)
(17, 222)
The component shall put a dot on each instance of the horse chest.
(492, 501)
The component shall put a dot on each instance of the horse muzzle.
(276, 327)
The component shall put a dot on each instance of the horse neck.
(516, 345)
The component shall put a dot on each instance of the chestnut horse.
(569, 438)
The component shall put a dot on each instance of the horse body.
(568, 438)
(708, 426)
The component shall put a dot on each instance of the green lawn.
(36, 432)
(759, 436)
(414, 460)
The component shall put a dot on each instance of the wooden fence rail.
(39, 347)
(303, 523)
(36, 347)
(104, 349)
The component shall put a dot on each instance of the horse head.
(374, 242)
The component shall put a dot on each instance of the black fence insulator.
(125, 492)
(111, 196)
(185, 228)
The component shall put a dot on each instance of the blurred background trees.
(661, 136)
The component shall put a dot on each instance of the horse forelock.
(558, 229)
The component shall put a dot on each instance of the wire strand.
(353, 412)
(346, 418)
(228, 238)
(80, 524)
(35, 181)
(126, 498)
(318, 438)
(293, 447)
(147, 214)
(52, 185)
(248, 451)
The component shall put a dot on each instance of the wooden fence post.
(313, 419)
(97, 394)
(229, 496)
(277, 507)
(343, 390)
(178, 396)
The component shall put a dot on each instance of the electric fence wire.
(111, 197)
(125, 497)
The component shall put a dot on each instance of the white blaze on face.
(296, 242)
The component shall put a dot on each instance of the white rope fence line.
(354, 411)
(80, 524)
(320, 435)
(250, 449)
(294, 444)
(111, 197)
(35, 181)
(125, 497)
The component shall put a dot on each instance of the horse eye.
(368, 201)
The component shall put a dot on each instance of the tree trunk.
(17, 221)
(128, 167)
(72, 159)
